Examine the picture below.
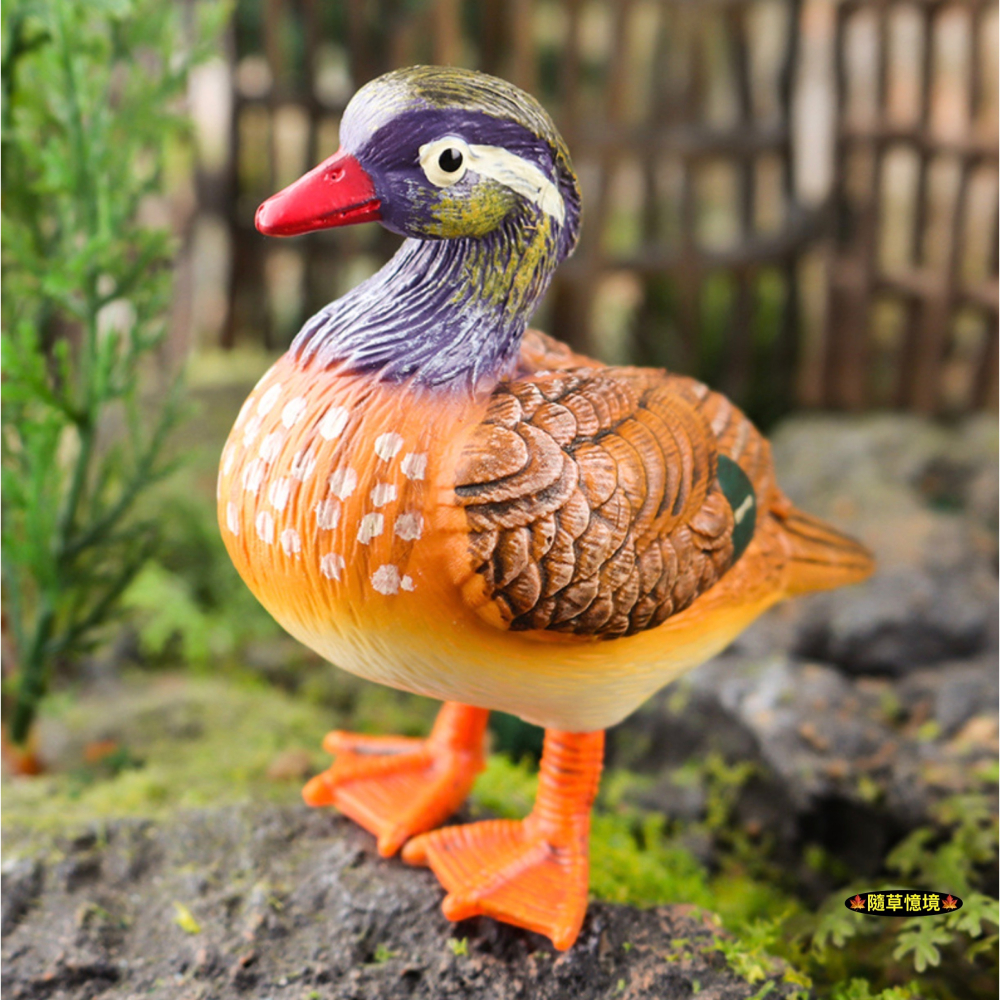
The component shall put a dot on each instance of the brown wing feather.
(592, 499)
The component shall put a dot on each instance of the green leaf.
(836, 926)
(977, 910)
(923, 937)
(860, 989)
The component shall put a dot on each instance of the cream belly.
(578, 686)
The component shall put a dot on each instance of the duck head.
(437, 153)
(473, 172)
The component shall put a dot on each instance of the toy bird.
(434, 497)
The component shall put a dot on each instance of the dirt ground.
(271, 902)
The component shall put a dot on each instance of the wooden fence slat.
(446, 32)
(522, 42)
(912, 386)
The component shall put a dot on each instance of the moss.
(634, 859)
(189, 742)
(179, 742)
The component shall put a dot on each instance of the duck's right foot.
(397, 787)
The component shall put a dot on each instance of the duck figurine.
(434, 497)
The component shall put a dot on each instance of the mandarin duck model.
(434, 497)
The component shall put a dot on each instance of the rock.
(900, 620)
(924, 497)
(849, 763)
(21, 884)
(299, 899)
(840, 466)
(951, 693)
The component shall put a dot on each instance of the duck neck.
(447, 314)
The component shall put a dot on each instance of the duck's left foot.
(396, 787)
(508, 870)
(532, 873)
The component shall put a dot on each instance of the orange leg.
(533, 872)
(397, 787)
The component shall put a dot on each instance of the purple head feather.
(436, 314)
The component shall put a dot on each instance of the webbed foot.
(532, 873)
(397, 787)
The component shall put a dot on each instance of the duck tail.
(819, 556)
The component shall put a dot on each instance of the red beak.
(338, 192)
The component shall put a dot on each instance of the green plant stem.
(32, 678)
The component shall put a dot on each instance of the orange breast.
(337, 505)
(334, 493)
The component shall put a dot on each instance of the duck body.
(435, 498)
(338, 504)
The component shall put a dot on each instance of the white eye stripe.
(499, 164)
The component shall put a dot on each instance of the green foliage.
(185, 919)
(944, 857)
(458, 946)
(634, 861)
(860, 989)
(186, 743)
(751, 955)
(89, 96)
(188, 603)
(836, 925)
(921, 936)
(636, 856)
(382, 954)
(641, 859)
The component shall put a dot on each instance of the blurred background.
(796, 202)
(793, 201)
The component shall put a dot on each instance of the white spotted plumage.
(331, 564)
(268, 400)
(253, 475)
(264, 524)
(387, 445)
(343, 482)
(292, 411)
(327, 514)
(270, 447)
(291, 542)
(371, 526)
(386, 579)
(251, 430)
(303, 464)
(278, 493)
(413, 465)
(409, 527)
(333, 423)
(382, 493)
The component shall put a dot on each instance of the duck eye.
(450, 160)
(445, 161)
